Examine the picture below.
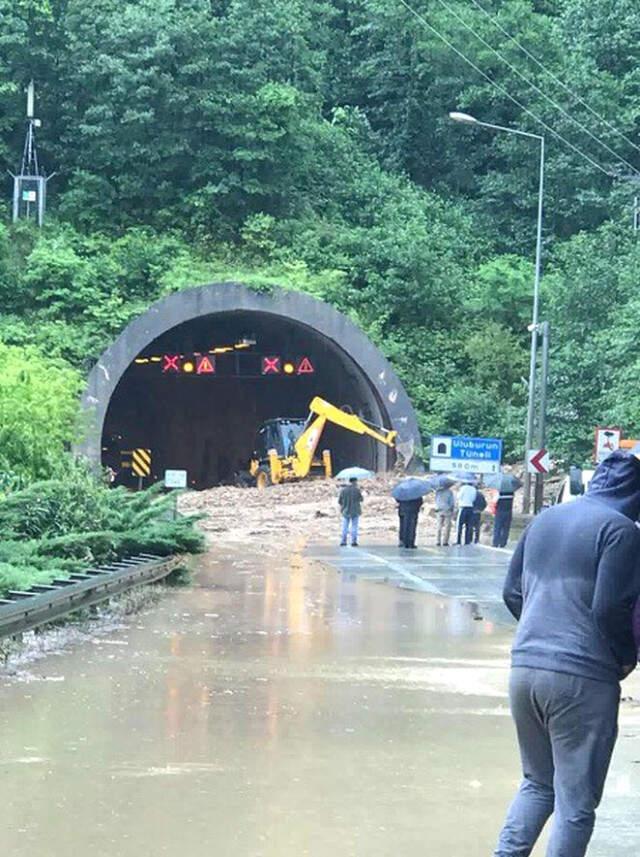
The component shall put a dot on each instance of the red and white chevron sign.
(538, 461)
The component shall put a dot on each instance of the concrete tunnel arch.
(116, 404)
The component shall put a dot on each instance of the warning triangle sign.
(206, 366)
(305, 367)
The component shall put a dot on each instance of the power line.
(502, 89)
(536, 88)
(553, 76)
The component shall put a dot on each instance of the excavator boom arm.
(306, 445)
(326, 412)
(351, 422)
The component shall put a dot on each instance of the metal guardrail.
(21, 611)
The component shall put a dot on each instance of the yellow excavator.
(286, 448)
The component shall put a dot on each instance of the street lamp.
(463, 117)
(466, 119)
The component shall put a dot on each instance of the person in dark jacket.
(408, 511)
(502, 524)
(350, 501)
(479, 505)
(572, 585)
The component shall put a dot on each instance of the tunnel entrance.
(197, 395)
(192, 379)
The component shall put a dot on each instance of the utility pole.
(30, 184)
(634, 179)
(542, 423)
(526, 502)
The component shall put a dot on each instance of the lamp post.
(534, 327)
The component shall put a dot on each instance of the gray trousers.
(567, 728)
(444, 527)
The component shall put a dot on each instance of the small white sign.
(175, 479)
(440, 446)
(607, 441)
(538, 461)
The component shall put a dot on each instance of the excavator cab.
(275, 457)
(280, 434)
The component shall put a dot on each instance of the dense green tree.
(590, 296)
(38, 413)
(306, 142)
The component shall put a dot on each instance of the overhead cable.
(553, 76)
(502, 89)
(536, 88)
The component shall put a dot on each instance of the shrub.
(59, 526)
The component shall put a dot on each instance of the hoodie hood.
(616, 482)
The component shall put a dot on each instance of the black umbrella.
(411, 489)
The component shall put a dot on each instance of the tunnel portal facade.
(192, 380)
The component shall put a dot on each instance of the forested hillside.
(306, 143)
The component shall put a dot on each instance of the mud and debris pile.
(305, 510)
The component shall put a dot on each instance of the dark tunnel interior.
(197, 395)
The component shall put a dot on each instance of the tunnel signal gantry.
(229, 364)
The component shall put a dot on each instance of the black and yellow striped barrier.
(141, 462)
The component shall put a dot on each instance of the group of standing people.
(471, 503)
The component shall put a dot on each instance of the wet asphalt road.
(281, 707)
(472, 574)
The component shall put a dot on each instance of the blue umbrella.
(411, 489)
(441, 481)
(463, 476)
(504, 482)
(355, 473)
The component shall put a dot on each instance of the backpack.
(480, 503)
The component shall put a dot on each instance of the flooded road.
(274, 708)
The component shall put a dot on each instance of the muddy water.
(269, 710)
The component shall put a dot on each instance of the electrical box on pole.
(30, 183)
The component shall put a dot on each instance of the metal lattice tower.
(30, 184)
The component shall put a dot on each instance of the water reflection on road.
(272, 709)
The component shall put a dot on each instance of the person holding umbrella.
(350, 501)
(506, 485)
(445, 506)
(408, 495)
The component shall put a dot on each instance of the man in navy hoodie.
(572, 585)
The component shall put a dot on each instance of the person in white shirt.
(466, 499)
